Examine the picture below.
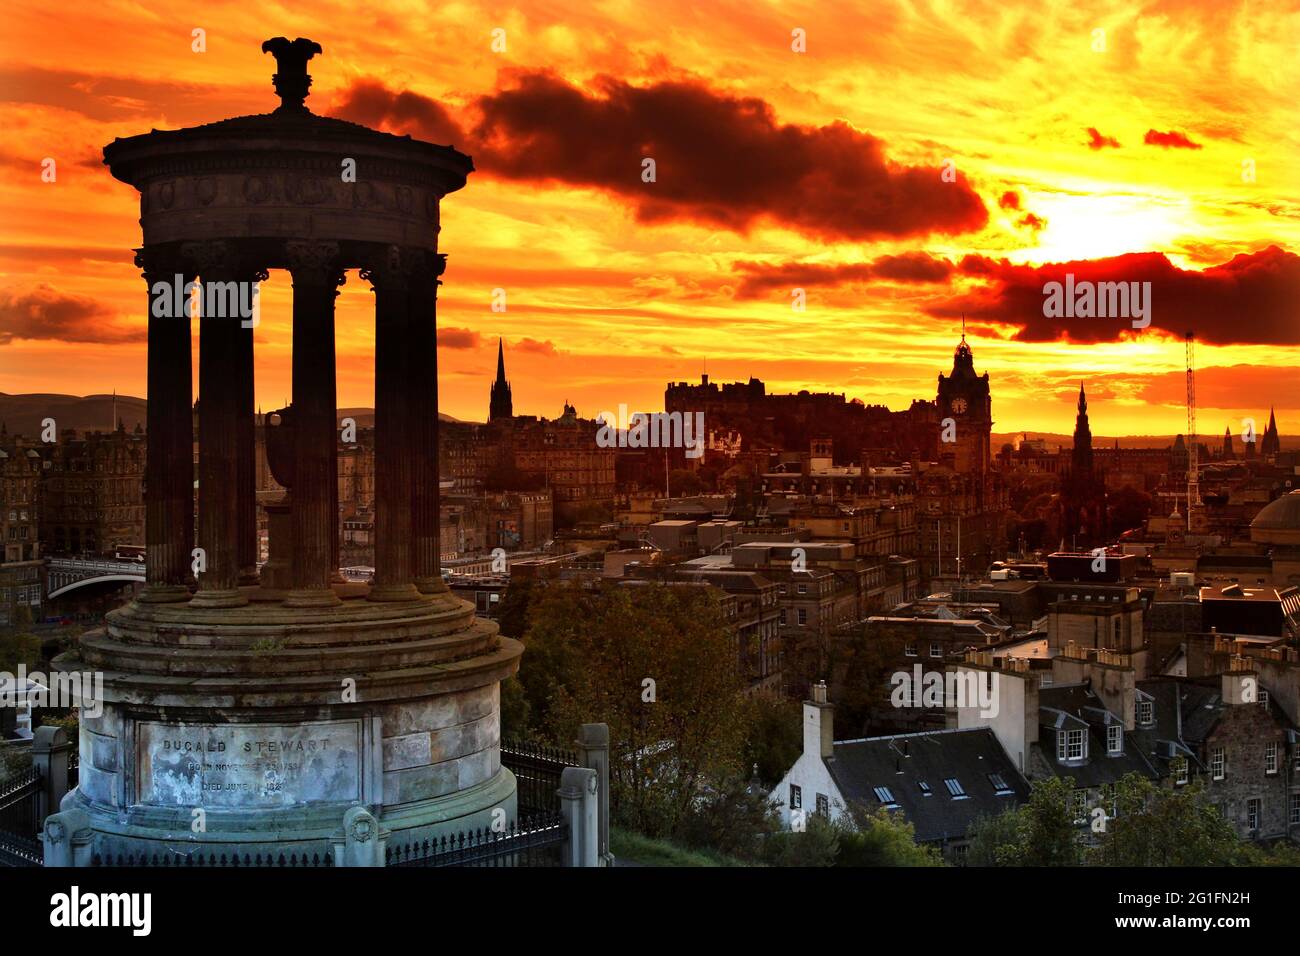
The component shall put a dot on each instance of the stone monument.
(249, 710)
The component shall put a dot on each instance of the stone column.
(593, 753)
(422, 356)
(316, 271)
(220, 355)
(389, 274)
(577, 793)
(169, 466)
(246, 493)
(50, 750)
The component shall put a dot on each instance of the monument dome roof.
(1280, 515)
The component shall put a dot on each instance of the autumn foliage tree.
(657, 663)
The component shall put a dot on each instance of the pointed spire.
(501, 360)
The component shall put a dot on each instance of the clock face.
(959, 406)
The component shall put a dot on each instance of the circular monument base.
(252, 730)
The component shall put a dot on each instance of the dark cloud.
(453, 338)
(1170, 140)
(1252, 298)
(546, 347)
(1009, 199)
(1097, 141)
(721, 160)
(371, 103)
(759, 277)
(42, 312)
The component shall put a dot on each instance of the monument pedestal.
(253, 730)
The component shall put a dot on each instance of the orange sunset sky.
(1164, 148)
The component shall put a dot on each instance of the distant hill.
(22, 414)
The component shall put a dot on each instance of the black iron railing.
(200, 860)
(537, 770)
(538, 840)
(20, 819)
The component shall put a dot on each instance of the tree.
(18, 648)
(731, 817)
(773, 738)
(817, 845)
(1127, 508)
(1164, 826)
(881, 838)
(658, 664)
(1042, 832)
(683, 481)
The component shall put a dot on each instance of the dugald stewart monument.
(254, 711)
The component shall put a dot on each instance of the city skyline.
(1128, 164)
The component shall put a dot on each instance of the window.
(1295, 809)
(782, 615)
(955, 788)
(823, 805)
(803, 617)
(925, 788)
(936, 649)
(885, 796)
(803, 589)
(1218, 763)
(1263, 697)
(1180, 771)
(1254, 809)
(1115, 739)
(1071, 745)
(1270, 757)
(796, 798)
(910, 649)
(1000, 786)
(1146, 713)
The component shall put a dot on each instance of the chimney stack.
(818, 723)
(1240, 687)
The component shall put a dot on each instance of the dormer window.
(955, 789)
(1071, 745)
(924, 788)
(1000, 786)
(886, 796)
(1146, 713)
(1115, 739)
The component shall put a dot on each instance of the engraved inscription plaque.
(248, 766)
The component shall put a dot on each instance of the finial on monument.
(291, 79)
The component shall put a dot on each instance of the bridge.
(65, 574)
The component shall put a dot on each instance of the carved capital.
(211, 258)
(391, 268)
(314, 262)
(160, 263)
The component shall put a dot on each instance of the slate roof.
(1075, 705)
(903, 762)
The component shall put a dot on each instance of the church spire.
(500, 405)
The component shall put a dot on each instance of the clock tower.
(965, 414)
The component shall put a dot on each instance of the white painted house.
(941, 781)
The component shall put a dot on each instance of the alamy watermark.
(652, 430)
(1098, 300)
(221, 300)
(965, 689)
(59, 691)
